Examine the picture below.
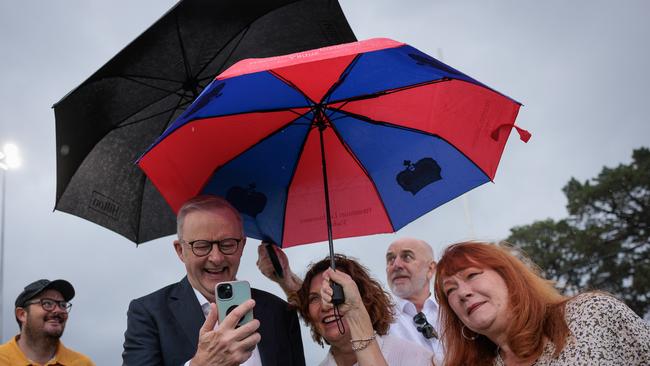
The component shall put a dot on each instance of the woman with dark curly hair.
(356, 332)
(496, 309)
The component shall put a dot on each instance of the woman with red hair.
(497, 310)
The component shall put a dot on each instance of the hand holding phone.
(216, 347)
(229, 296)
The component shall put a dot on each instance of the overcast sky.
(579, 68)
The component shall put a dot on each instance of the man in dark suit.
(170, 326)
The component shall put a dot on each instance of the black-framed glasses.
(201, 248)
(424, 327)
(51, 304)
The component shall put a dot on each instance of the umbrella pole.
(337, 295)
(327, 202)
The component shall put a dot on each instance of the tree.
(604, 243)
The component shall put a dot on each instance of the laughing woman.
(496, 310)
(357, 333)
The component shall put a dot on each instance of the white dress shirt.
(254, 360)
(404, 326)
(396, 351)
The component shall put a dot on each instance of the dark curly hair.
(378, 302)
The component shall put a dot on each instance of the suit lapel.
(265, 330)
(187, 310)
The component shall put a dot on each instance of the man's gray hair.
(204, 202)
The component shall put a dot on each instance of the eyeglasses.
(50, 304)
(201, 248)
(424, 327)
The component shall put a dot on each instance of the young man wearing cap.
(41, 312)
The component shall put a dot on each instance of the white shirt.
(254, 360)
(404, 326)
(396, 351)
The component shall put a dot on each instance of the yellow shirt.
(11, 355)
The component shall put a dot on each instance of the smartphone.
(230, 295)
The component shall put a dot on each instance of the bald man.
(409, 270)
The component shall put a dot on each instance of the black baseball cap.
(36, 287)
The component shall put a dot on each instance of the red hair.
(536, 308)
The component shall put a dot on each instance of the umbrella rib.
(244, 30)
(362, 167)
(374, 95)
(171, 114)
(209, 78)
(288, 109)
(150, 116)
(375, 122)
(146, 77)
(386, 92)
(188, 69)
(292, 85)
(279, 109)
(341, 79)
(132, 78)
(181, 96)
(267, 136)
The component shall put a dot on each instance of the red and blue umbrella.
(341, 141)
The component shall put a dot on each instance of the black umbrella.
(104, 125)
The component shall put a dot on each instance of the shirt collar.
(205, 304)
(62, 356)
(409, 308)
(199, 296)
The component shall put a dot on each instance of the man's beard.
(406, 290)
(43, 333)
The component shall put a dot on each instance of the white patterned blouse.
(604, 331)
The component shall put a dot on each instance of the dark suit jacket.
(163, 328)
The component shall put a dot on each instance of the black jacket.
(163, 328)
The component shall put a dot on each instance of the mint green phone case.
(229, 295)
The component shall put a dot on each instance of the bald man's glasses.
(424, 327)
(201, 248)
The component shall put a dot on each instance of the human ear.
(243, 243)
(178, 247)
(432, 270)
(21, 315)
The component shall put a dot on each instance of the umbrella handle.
(275, 261)
(338, 297)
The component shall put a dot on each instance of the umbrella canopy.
(106, 123)
(376, 130)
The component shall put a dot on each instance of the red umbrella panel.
(342, 141)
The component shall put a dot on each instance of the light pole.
(9, 159)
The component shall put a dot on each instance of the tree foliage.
(604, 243)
